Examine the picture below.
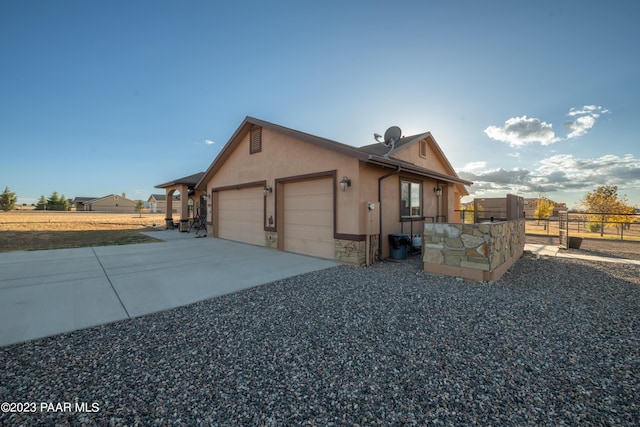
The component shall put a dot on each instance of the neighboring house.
(278, 187)
(158, 203)
(110, 203)
(189, 199)
(80, 202)
(530, 206)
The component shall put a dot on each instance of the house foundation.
(351, 251)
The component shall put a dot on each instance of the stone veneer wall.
(473, 251)
(351, 251)
(347, 251)
(271, 239)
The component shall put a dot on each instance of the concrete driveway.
(45, 293)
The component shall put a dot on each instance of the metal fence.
(605, 234)
(591, 225)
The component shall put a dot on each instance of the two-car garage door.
(307, 217)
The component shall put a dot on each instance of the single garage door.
(240, 215)
(308, 218)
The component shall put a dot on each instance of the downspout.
(380, 202)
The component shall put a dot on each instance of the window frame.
(411, 183)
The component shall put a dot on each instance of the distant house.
(530, 206)
(79, 202)
(158, 203)
(110, 203)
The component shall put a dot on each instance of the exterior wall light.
(267, 190)
(438, 191)
(344, 183)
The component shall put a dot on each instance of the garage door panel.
(312, 218)
(313, 186)
(240, 215)
(309, 232)
(308, 218)
(310, 203)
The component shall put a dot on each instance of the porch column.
(169, 216)
(184, 205)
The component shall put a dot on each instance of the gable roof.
(163, 197)
(190, 181)
(115, 196)
(367, 154)
(82, 199)
(381, 150)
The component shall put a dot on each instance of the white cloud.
(586, 119)
(560, 172)
(474, 165)
(208, 142)
(592, 110)
(520, 131)
(580, 126)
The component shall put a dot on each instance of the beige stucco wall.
(411, 153)
(284, 156)
(111, 204)
(390, 199)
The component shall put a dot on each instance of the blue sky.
(524, 97)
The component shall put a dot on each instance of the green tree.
(53, 201)
(42, 204)
(605, 206)
(139, 207)
(64, 204)
(544, 209)
(8, 200)
(57, 203)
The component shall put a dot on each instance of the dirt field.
(34, 230)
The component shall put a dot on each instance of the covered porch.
(192, 203)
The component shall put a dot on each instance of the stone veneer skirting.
(351, 251)
(271, 239)
(347, 251)
(473, 251)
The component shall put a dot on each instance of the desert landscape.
(35, 230)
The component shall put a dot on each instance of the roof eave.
(339, 147)
(384, 161)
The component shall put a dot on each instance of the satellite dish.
(392, 135)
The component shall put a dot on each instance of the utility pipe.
(380, 202)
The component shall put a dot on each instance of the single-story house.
(110, 203)
(278, 187)
(80, 202)
(531, 205)
(189, 199)
(158, 203)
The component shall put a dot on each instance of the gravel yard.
(554, 342)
